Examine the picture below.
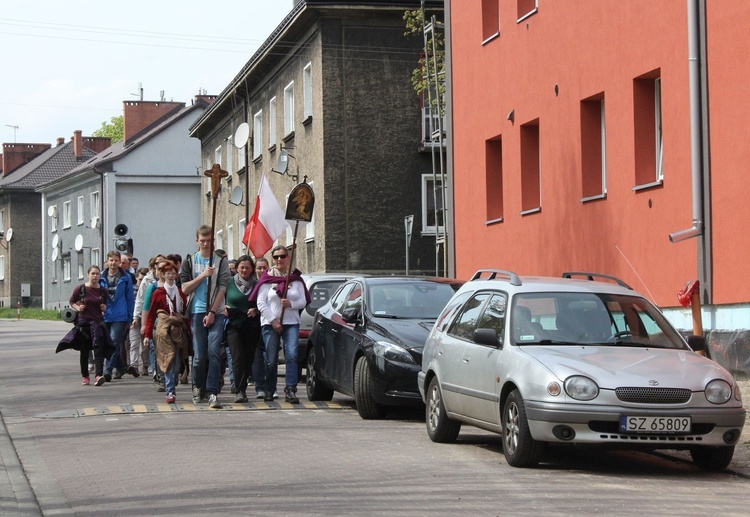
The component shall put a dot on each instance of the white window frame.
(230, 241)
(257, 134)
(289, 109)
(603, 129)
(240, 234)
(220, 239)
(534, 10)
(2, 220)
(79, 213)
(658, 131)
(94, 199)
(241, 157)
(288, 235)
(66, 267)
(2, 267)
(53, 219)
(426, 191)
(307, 91)
(66, 214)
(96, 257)
(81, 270)
(272, 122)
(218, 156)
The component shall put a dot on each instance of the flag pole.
(215, 173)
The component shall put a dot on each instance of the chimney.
(208, 99)
(96, 143)
(78, 144)
(60, 141)
(16, 155)
(141, 115)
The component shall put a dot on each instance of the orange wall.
(587, 47)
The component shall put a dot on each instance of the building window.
(307, 91)
(531, 181)
(490, 19)
(95, 209)
(649, 144)
(220, 239)
(79, 212)
(310, 227)
(96, 256)
(432, 205)
(66, 214)
(2, 267)
(289, 109)
(240, 234)
(217, 157)
(81, 271)
(241, 156)
(230, 240)
(593, 149)
(66, 267)
(494, 179)
(257, 134)
(2, 220)
(272, 122)
(526, 8)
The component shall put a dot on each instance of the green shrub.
(30, 314)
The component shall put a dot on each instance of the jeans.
(259, 367)
(207, 343)
(290, 335)
(170, 376)
(117, 331)
(136, 342)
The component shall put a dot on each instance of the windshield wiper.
(549, 342)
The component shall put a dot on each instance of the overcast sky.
(69, 65)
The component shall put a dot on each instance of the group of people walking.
(196, 307)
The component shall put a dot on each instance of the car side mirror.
(487, 337)
(350, 315)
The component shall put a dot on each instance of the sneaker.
(100, 380)
(118, 374)
(107, 377)
(144, 372)
(268, 397)
(260, 395)
(171, 398)
(233, 388)
(161, 388)
(241, 397)
(275, 395)
(86, 381)
(132, 370)
(290, 396)
(197, 395)
(213, 402)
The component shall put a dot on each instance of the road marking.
(180, 407)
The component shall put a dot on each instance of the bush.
(30, 314)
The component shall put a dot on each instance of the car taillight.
(304, 333)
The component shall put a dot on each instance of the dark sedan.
(367, 340)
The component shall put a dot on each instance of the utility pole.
(15, 128)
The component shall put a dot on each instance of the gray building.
(26, 167)
(329, 90)
(137, 195)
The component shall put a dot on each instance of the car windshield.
(590, 319)
(417, 299)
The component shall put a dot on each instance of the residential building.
(137, 195)
(603, 136)
(25, 167)
(328, 99)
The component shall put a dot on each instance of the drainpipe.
(696, 156)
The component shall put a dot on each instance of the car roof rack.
(514, 278)
(594, 276)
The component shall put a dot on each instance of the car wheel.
(315, 389)
(520, 449)
(712, 458)
(440, 428)
(366, 405)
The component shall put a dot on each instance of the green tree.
(112, 129)
(432, 60)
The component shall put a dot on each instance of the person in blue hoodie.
(118, 284)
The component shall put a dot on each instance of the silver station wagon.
(581, 359)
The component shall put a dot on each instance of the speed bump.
(188, 407)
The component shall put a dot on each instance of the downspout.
(101, 214)
(695, 127)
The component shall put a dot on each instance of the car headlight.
(718, 391)
(581, 388)
(390, 352)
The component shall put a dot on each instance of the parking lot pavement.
(119, 449)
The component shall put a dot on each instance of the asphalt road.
(68, 449)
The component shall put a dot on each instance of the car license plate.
(655, 424)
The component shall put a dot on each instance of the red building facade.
(576, 145)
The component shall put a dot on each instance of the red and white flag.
(267, 222)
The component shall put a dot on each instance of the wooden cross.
(215, 173)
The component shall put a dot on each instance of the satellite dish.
(54, 254)
(241, 135)
(95, 221)
(236, 197)
(8, 234)
(79, 242)
(52, 210)
(283, 162)
(55, 241)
